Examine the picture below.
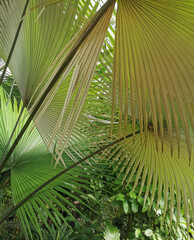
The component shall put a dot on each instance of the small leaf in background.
(159, 212)
(118, 181)
(120, 197)
(140, 200)
(112, 198)
(130, 187)
(92, 197)
(132, 195)
(156, 221)
(179, 232)
(135, 207)
(162, 203)
(137, 232)
(148, 232)
(191, 231)
(145, 209)
(125, 206)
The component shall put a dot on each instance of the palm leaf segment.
(151, 90)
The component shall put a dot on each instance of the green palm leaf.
(30, 166)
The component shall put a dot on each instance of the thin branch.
(14, 42)
(61, 173)
(91, 26)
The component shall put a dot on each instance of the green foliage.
(12, 228)
(30, 167)
(137, 220)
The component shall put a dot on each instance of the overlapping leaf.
(43, 46)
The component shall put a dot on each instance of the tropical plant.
(88, 83)
(31, 165)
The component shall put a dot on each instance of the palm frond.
(69, 94)
(44, 33)
(30, 166)
(169, 177)
(55, 200)
(74, 89)
(153, 66)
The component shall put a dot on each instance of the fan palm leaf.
(30, 166)
(153, 65)
(72, 87)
